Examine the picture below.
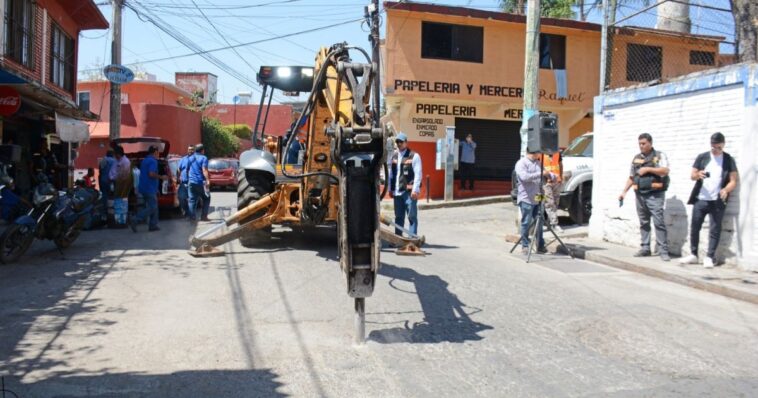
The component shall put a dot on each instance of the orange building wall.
(151, 111)
(137, 92)
(676, 54)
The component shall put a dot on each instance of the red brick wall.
(279, 116)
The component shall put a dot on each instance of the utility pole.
(531, 68)
(115, 113)
(373, 14)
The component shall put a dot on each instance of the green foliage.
(241, 131)
(548, 8)
(218, 141)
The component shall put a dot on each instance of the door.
(498, 146)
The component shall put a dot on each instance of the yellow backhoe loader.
(338, 182)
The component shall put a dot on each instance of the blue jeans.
(405, 205)
(197, 192)
(528, 213)
(184, 199)
(105, 194)
(150, 210)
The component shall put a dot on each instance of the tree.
(241, 131)
(745, 14)
(217, 140)
(548, 8)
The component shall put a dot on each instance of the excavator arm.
(339, 180)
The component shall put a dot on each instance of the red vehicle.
(223, 173)
(135, 149)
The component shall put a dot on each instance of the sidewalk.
(725, 280)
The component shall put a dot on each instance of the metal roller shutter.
(498, 146)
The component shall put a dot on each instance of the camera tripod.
(536, 223)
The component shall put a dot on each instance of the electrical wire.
(165, 27)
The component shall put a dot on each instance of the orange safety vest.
(553, 165)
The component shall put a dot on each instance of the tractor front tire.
(252, 186)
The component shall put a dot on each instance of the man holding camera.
(715, 173)
(649, 177)
(530, 178)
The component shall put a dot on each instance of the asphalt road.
(132, 315)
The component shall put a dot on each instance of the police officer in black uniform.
(649, 177)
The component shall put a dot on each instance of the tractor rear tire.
(252, 186)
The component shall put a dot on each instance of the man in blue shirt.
(148, 188)
(198, 183)
(182, 175)
(468, 158)
(405, 184)
(104, 181)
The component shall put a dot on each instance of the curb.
(456, 203)
(580, 251)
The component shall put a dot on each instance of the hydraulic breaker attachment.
(407, 246)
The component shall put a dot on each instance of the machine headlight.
(283, 72)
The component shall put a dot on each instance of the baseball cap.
(401, 137)
(717, 138)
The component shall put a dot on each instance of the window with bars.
(19, 31)
(707, 58)
(643, 63)
(61, 59)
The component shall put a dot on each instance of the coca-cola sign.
(9, 101)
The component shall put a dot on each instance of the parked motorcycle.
(11, 205)
(57, 216)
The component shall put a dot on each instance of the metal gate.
(498, 146)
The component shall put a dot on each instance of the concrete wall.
(680, 116)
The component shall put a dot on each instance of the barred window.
(643, 63)
(19, 34)
(61, 60)
(453, 42)
(552, 51)
(702, 58)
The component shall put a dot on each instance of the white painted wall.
(681, 125)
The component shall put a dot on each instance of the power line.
(201, 52)
(222, 36)
(220, 7)
(162, 25)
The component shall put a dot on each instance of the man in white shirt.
(405, 184)
(715, 173)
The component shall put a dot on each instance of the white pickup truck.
(576, 197)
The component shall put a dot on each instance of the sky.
(223, 23)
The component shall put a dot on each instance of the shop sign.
(118, 74)
(10, 101)
(484, 90)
